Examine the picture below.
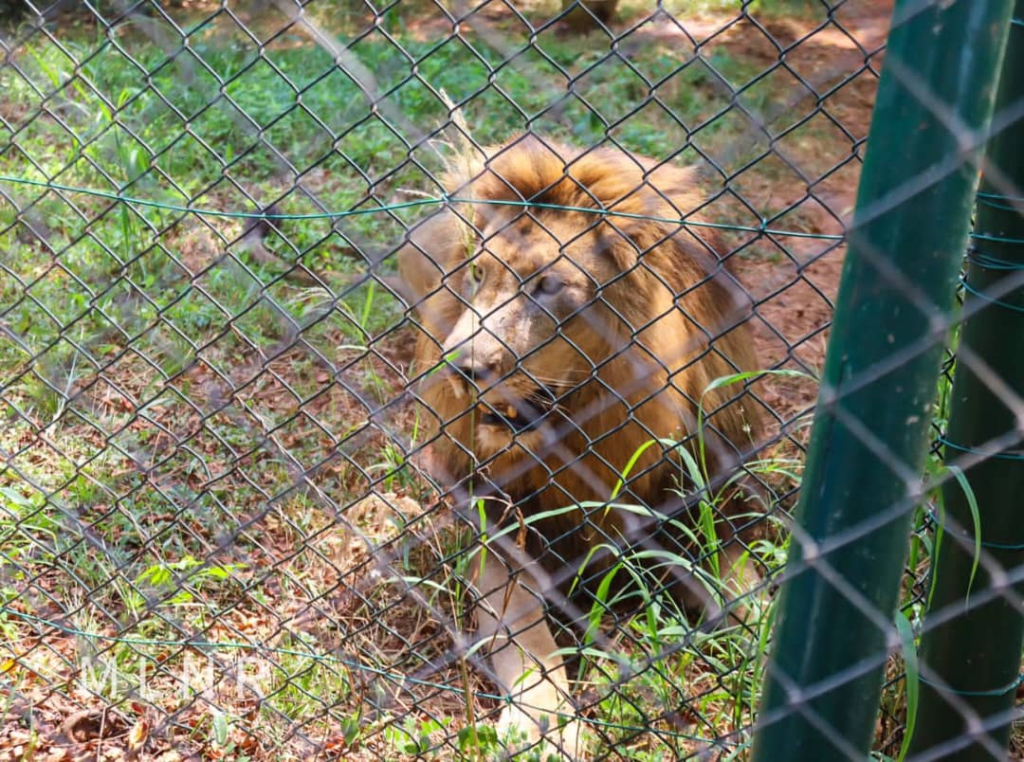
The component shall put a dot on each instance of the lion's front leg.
(513, 627)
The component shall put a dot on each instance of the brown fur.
(636, 318)
(579, 20)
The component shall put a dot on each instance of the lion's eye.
(476, 273)
(548, 284)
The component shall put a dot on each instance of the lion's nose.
(467, 370)
(472, 369)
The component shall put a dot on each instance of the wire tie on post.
(996, 238)
(999, 197)
(1011, 455)
(1012, 686)
(985, 297)
(964, 536)
(989, 262)
(999, 201)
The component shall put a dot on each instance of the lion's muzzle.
(519, 415)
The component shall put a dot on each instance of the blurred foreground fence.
(223, 532)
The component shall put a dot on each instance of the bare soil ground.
(795, 280)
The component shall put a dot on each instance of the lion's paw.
(539, 736)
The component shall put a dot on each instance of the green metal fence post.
(971, 653)
(869, 439)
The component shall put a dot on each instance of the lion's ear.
(426, 256)
(671, 252)
(636, 248)
(619, 246)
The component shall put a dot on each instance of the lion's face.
(561, 342)
(534, 326)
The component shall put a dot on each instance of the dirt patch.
(794, 279)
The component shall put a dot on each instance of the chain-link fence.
(433, 380)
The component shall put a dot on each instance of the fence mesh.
(226, 526)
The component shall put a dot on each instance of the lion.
(570, 328)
